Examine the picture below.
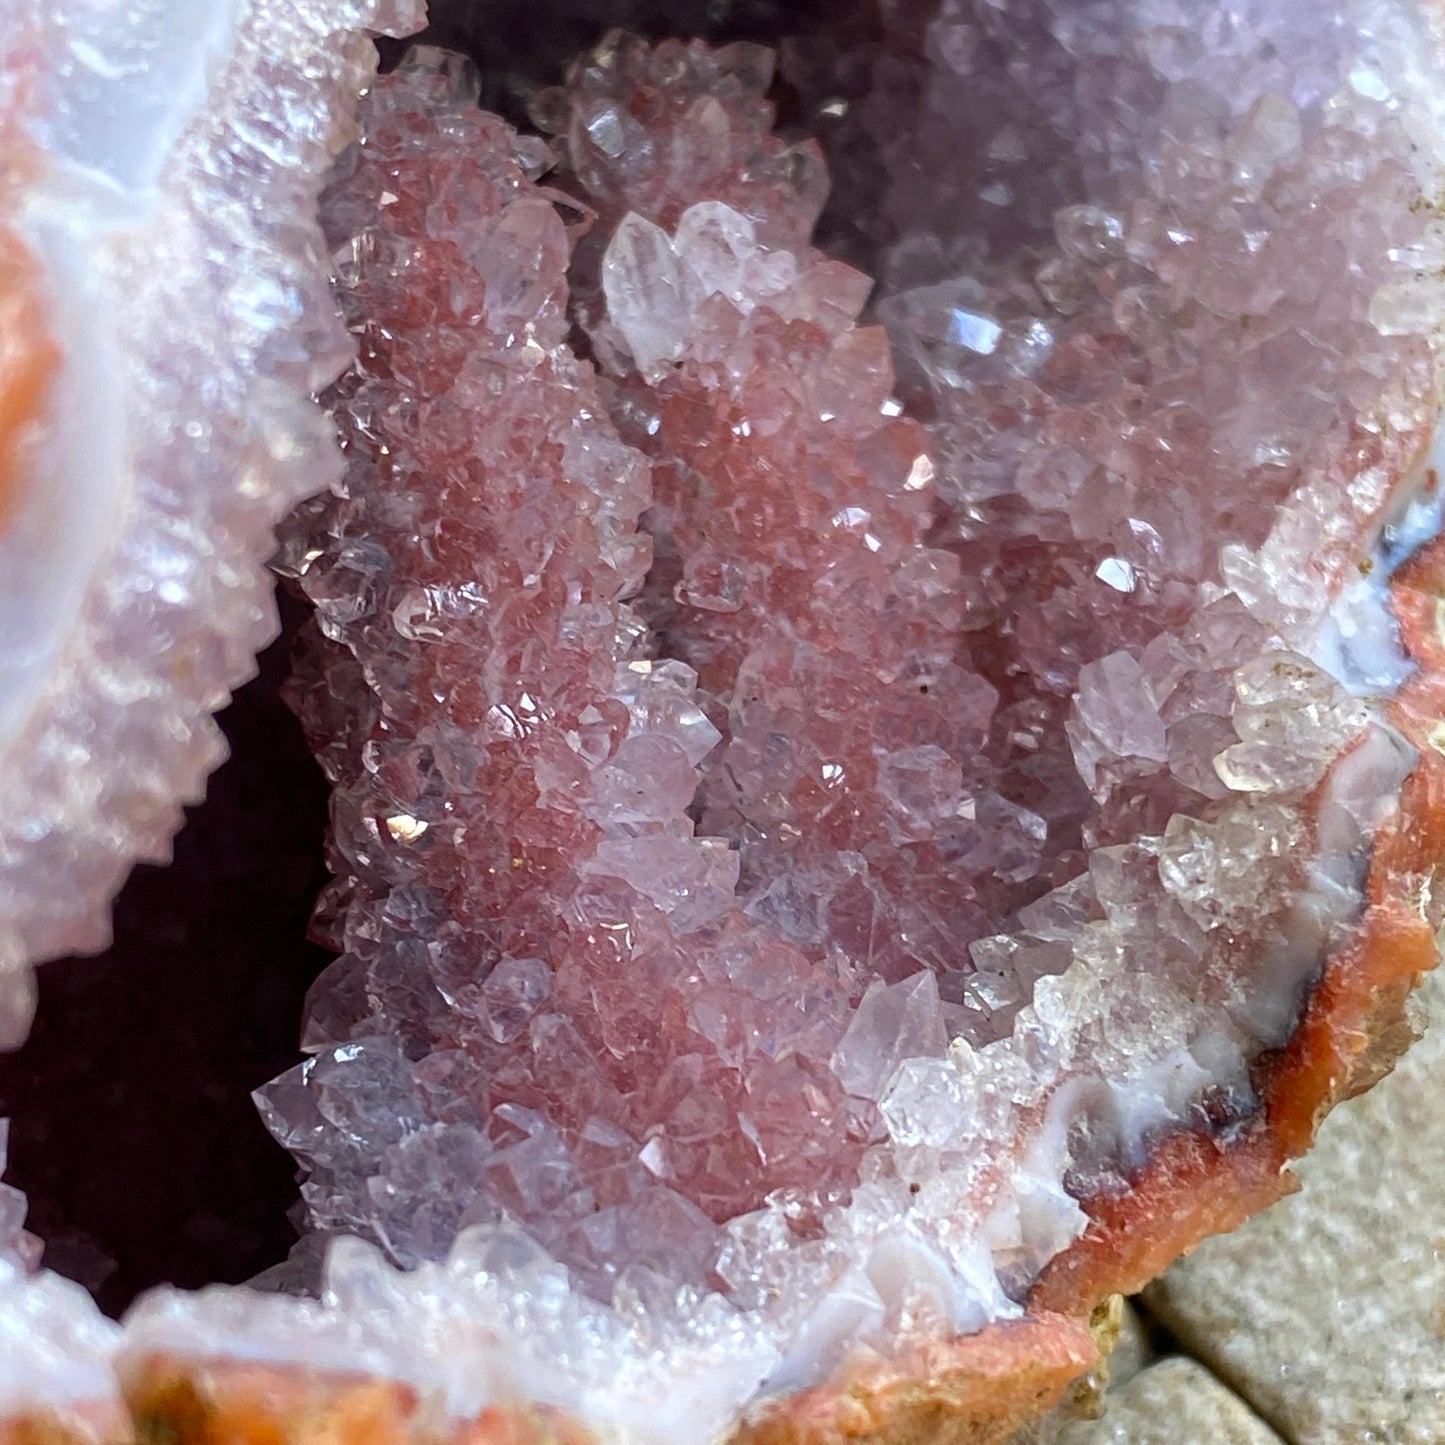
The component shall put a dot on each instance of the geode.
(884, 738)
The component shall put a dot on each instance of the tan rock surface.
(1133, 1350)
(1327, 1313)
(1169, 1403)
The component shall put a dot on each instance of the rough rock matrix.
(857, 835)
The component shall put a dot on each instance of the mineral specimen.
(166, 316)
(1043, 816)
(853, 842)
(497, 708)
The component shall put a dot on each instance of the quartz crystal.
(594, 1036)
(879, 695)
(159, 165)
(817, 800)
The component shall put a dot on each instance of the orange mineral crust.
(973, 1390)
(28, 358)
(230, 1402)
(94, 1425)
(1353, 1029)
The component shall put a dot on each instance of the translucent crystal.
(850, 841)
(186, 290)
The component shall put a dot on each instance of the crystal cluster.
(829, 637)
(917, 742)
(163, 163)
(549, 1004)
(791, 851)
(1149, 550)
(819, 804)
(55, 1346)
(1143, 400)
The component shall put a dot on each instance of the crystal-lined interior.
(816, 805)
(687, 892)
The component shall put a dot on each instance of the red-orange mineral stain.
(28, 359)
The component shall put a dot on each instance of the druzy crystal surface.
(821, 792)
(160, 162)
(855, 658)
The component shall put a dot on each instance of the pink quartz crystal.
(548, 997)
(820, 802)
(921, 739)
(667, 877)
(834, 642)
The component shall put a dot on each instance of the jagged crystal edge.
(496, 1322)
(890, 1248)
(56, 1348)
(183, 148)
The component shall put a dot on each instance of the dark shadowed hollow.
(132, 1129)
